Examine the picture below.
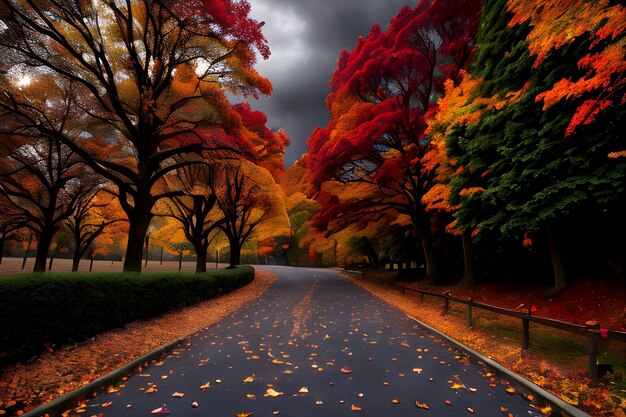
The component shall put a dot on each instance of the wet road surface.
(314, 345)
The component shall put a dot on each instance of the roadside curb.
(57, 406)
(551, 398)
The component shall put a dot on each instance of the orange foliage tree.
(601, 81)
(381, 93)
(143, 82)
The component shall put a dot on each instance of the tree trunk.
(235, 254)
(50, 263)
(139, 220)
(90, 264)
(43, 247)
(147, 245)
(180, 260)
(30, 240)
(469, 276)
(432, 272)
(560, 279)
(200, 257)
(161, 261)
(75, 262)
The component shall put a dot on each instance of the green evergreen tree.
(534, 178)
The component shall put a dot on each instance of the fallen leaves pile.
(52, 374)
(565, 380)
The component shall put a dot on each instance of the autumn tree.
(94, 211)
(144, 80)
(381, 93)
(10, 222)
(514, 170)
(269, 146)
(600, 81)
(249, 200)
(41, 180)
(196, 210)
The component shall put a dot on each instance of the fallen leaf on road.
(422, 405)
(160, 410)
(355, 408)
(510, 390)
(447, 402)
(456, 385)
(178, 395)
(205, 386)
(346, 370)
(249, 379)
(249, 413)
(471, 410)
(417, 370)
(107, 404)
(272, 393)
(303, 390)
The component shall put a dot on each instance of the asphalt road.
(315, 345)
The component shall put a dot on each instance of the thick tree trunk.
(200, 257)
(432, 272)
(75, 262)
(560, 279)
(139, 220)
(27, 252)
(235, 254)
(469, 276)
(43, 247)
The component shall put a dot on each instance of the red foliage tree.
(381, 93)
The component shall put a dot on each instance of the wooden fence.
(591, 331)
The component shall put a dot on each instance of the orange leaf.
(422, 405)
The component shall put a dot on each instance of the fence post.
(593, 338)
(470, 321)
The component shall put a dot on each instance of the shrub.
(56, 308)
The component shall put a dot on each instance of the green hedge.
(56, 308)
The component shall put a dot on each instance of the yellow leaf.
(272, 393)
(355, 408)
(456, 385)
(249, 379)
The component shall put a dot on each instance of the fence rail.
(591, 331)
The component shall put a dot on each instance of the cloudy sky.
(306, 37)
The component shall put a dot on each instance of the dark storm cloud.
(306, 37)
